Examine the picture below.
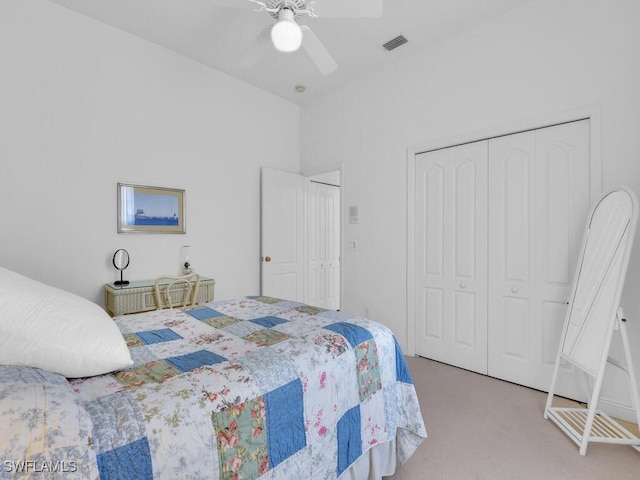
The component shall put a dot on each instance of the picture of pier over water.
(143, 209)
(155, 209)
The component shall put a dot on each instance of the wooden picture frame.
(144, 209)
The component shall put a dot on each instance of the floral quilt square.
(132, 340)
(268, 300)
(333, 344)
(157, 372)
(242, 440)
(220, 322)
(310, 310)
(368, 369)
(266, 337)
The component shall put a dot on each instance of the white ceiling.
(219, 36)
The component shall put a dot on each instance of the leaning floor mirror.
(593, 315)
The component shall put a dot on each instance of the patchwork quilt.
(252, 388)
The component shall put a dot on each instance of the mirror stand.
(120, 262)
(121, 281)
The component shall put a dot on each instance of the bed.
(255, 387)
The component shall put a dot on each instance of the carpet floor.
(482, 428)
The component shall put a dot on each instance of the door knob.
(463, 285)
(267, 258)
(514, 289)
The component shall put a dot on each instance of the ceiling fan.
(287, 35)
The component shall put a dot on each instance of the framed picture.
(150, 209)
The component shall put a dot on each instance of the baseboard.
(617, 410)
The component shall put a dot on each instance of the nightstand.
(139, 297)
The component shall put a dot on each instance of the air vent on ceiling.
(395, 42)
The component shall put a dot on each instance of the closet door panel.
(515, 343)
(551, 333)
(538, 203)
(562, 160)
(432, 325)
(512, 342)
(465, 219)
(431, 178)
(563, 180)
(516, 212)
(432, 203)
(450, 229)
(464, 320)
(557, 176)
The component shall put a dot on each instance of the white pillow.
(48, 328)
(43, 421)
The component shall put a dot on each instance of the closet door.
(451, 261)
(538, 203)
(514, 341)
(563, 179)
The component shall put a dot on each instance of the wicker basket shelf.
(139, 296)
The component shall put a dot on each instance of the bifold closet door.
(451, 255)
(538, 203)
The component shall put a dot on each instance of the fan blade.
(348, 9)
(320, 56)
(257, 48)
(245, 4)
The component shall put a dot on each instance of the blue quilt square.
(129, 462)
(285, 422)
(204, 313)
(349, 439)
(354, 334)
(156, 336)
(119, 419)
(402, 369)
(242, 329)
(191, 361)
(269, 322)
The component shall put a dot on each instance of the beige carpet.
(486, 429)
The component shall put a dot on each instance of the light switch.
(354, 213)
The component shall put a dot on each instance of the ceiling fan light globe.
(286, 35)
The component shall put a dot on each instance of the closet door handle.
(463, 285)
(514, 289)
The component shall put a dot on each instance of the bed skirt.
(375, 463)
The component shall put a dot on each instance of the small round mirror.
(120, 262)
(121, 259)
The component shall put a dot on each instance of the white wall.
(546, 57)
(84, 106)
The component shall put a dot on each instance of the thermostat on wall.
(353, 214)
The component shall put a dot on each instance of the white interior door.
(563, 178)
(450, 257)
(538, 203)
(514, 340)
(493, 300)
(282, 233)
(323, 245)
